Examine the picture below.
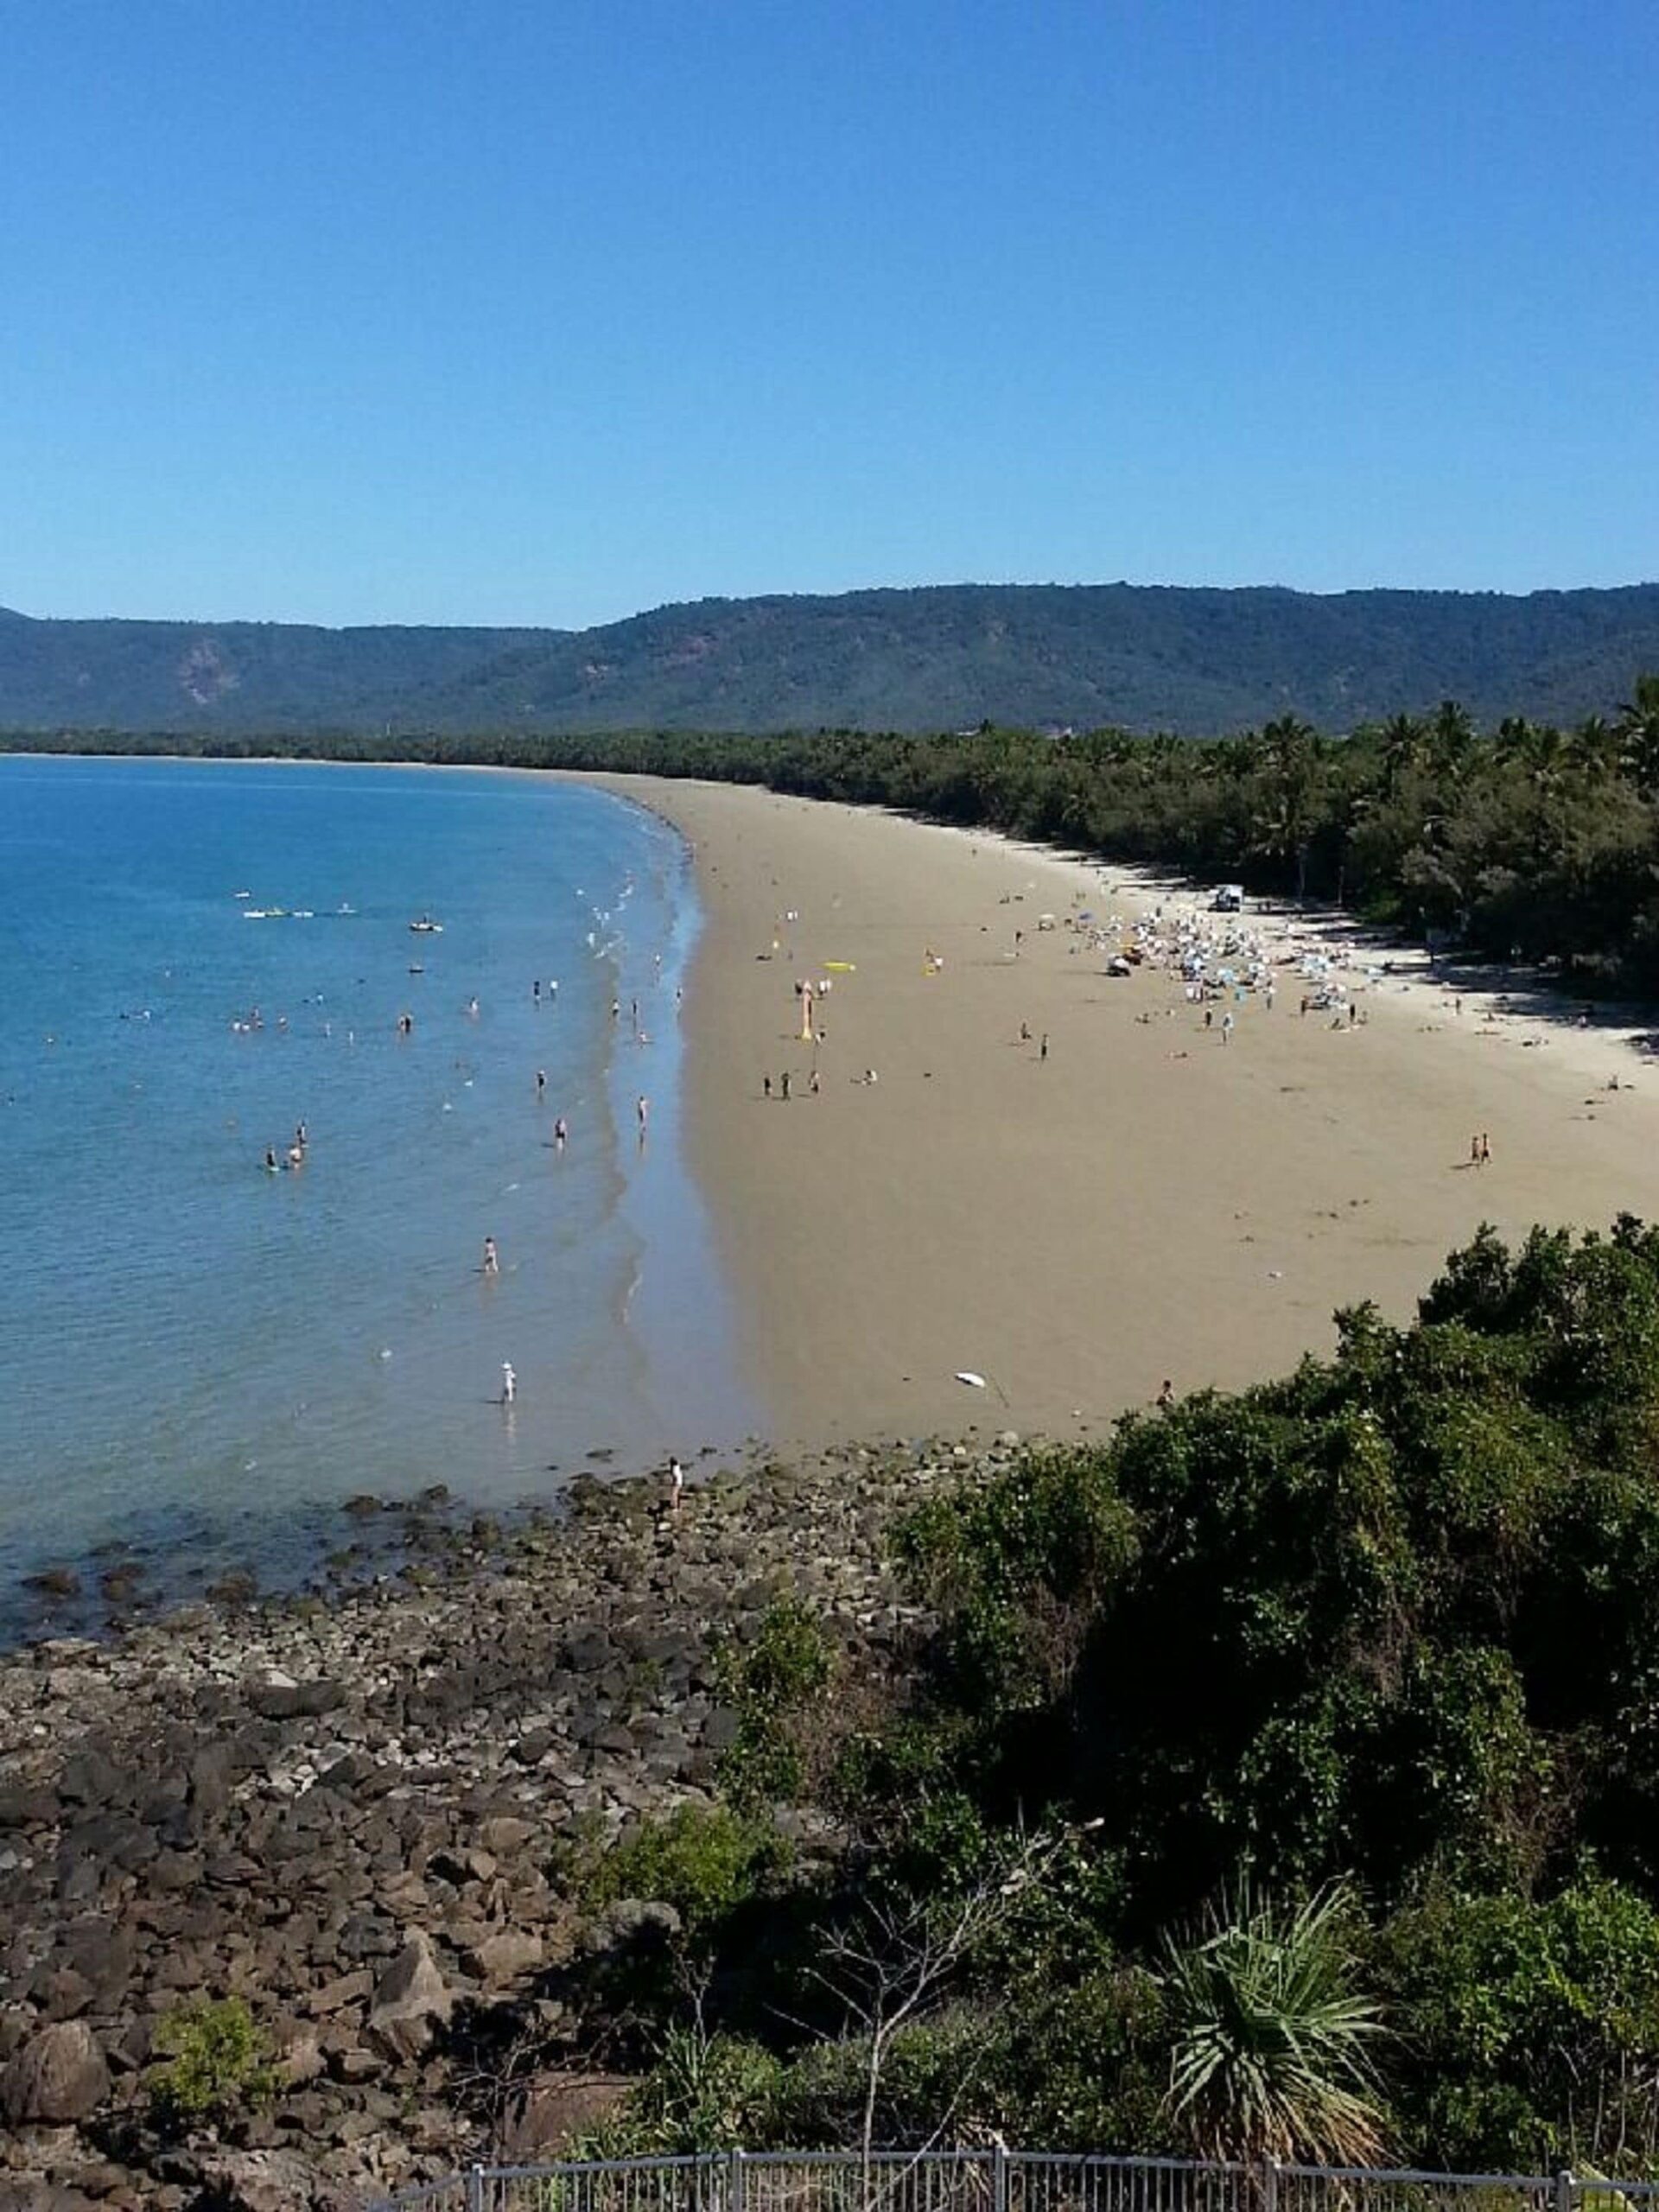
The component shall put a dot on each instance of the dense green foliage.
(1530, 842)
(1194, 662)
(1289, 1767)
(1534, 841)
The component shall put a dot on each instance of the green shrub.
(215, 2064)
(705, 1861)
(704, 2093)
(774, 1682)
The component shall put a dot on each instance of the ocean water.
(199, 1357)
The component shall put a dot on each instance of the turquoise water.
(195, 1353)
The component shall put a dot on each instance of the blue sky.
(338, 311)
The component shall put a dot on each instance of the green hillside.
(1194, 662)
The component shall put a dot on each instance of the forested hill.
(1134, 656)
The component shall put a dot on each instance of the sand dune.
(1146, 1202)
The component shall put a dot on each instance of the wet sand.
(1145, 1202)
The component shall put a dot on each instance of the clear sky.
(369, 310)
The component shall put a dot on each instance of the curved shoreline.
(1142, 1205)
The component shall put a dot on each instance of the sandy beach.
(1150, 1200)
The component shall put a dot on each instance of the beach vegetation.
(1279, 1775)
(705, 1861)
(1271, 2039)
(1525, 839)
(213, 2065)
(776, 1681)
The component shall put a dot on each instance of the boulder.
(409, 1996)
(502, 1957)
(59, 2076)
(632, 1919)
(553, 2107)
(257, 2181)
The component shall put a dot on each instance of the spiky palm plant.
(1271, 2053)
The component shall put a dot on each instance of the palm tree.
(1271, 2055)
(1593, 748)
(1403, 748)
(1291, 755)
(1638, 728)
(1451, 740)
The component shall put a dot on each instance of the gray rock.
(632, 1917)
(409, 1996)
(59, 2076)
(500, 1958)
(721, 1729)
(258, 2181)
(281, 1700)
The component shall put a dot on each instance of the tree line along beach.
(1035, 1181)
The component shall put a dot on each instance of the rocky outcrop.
(353, 1814)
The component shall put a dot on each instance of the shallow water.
(193, 1351)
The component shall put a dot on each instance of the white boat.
(427, 927)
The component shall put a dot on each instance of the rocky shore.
(354, 1815)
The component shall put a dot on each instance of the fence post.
(734, 2181)
(475, 2189)
(1270, 2186)
(1565, 2187)
(1000, 2178)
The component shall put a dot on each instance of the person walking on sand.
(1042, 1049)
(813, 1084)
(491, 1257)
(509, 1383)
(1485, 1149)
(765, 1086)
(676, 1484)
(783, 1084)
(541, 1085)
(1226, 1028)
(1165, 1395)
(642, 1107)
(1474, 1149)
(559, 1133)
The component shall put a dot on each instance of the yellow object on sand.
(841, 967)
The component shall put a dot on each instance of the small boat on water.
(427, 927)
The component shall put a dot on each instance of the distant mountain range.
(1138, 657)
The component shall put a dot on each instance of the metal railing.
(997, 2181)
